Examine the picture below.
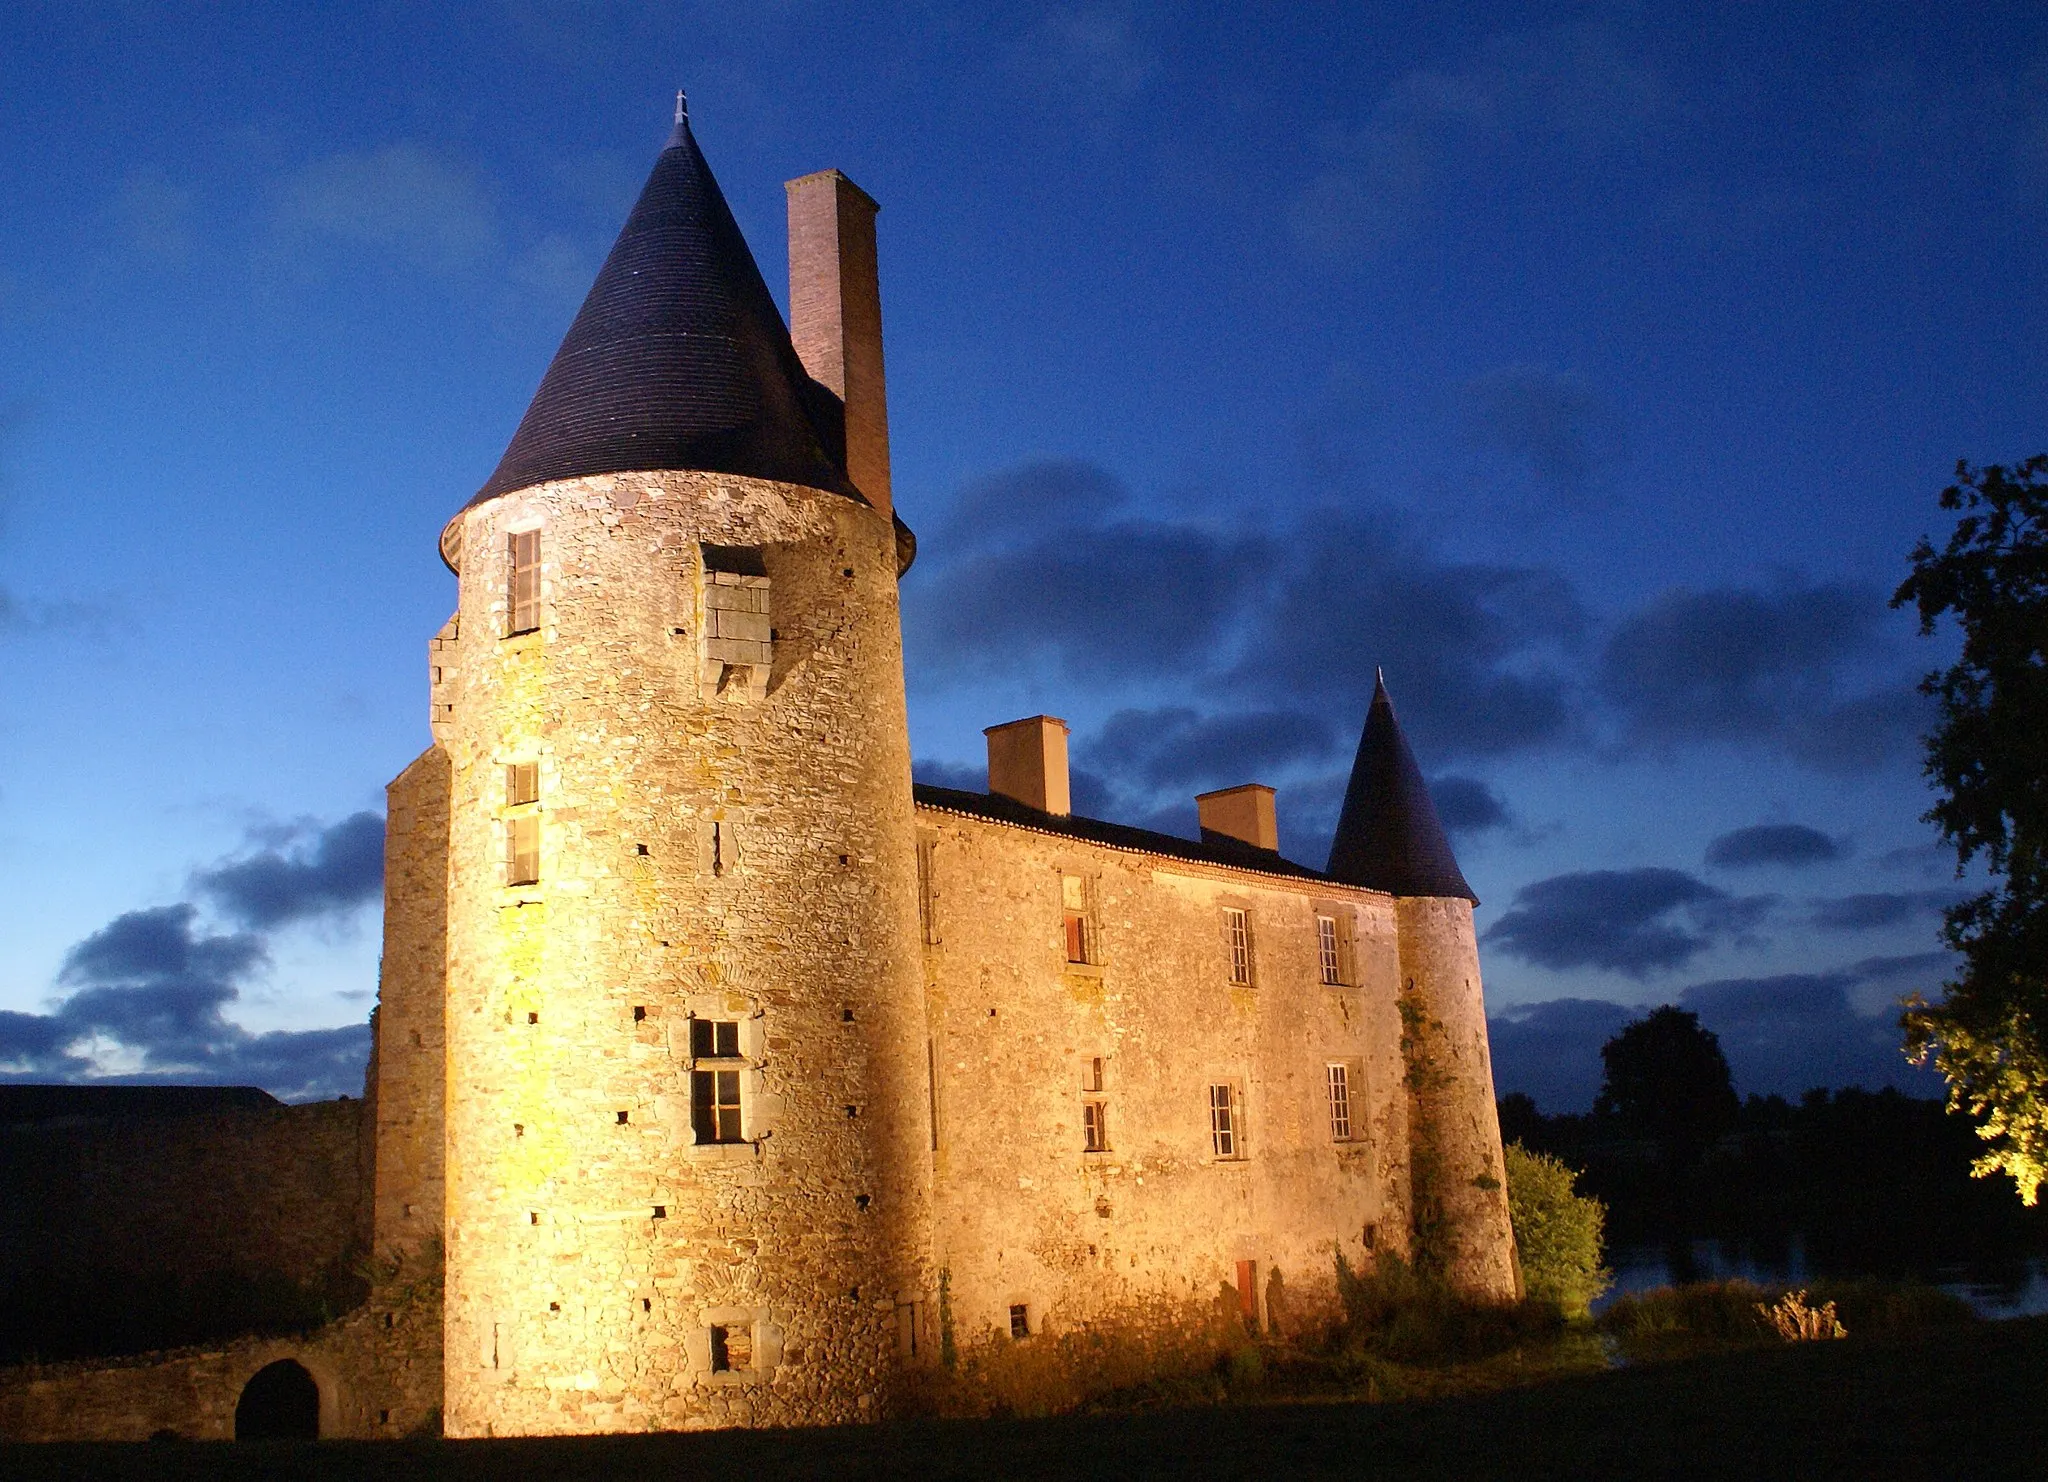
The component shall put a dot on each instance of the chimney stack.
(835, 315)
(1027, 762)
(1242, 813)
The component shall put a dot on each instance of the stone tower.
(686, 1114)
(1389, 838)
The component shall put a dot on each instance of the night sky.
(1591, 369)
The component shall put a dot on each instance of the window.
(1080, 929)
(1340, 1102)
(522, 784)
(522, 850)
(739, 644)
(1226, 1121)
(1237, 932)
(1327, 957)
(715, 1092)
(1095, 1126)
(1091, 1074)
(927, 897)
(1020, 1320)
(523, 594)
(732, 1350)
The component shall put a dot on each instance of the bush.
(1714, 1315)
(1395, 1312)
(1557, 1232)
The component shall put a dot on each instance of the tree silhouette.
(1667, 1077)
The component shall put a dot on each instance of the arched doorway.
(281, 1403)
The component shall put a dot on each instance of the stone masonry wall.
(1026, 1216)
(743, 855)
(1461, 1197)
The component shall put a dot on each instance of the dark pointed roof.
(1389, 837)
(678, 358)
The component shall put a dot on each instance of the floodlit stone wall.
(732, 846)
(1026, 1215)
(1460, 1185)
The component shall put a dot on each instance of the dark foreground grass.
(1952, 1403)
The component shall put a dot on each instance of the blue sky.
(1591, 368)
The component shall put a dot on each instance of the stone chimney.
(835, 315)
(1242, 813)
(1027, 762)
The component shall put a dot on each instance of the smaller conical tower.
(1389, 838)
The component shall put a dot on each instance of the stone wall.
(101, 1220)
(1025, 1216)
(732, 847)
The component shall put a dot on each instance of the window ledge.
(723, 1152)
(1081, 969)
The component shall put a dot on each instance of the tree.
(1988, 757)
(1666, 1075)
(1557, 1231)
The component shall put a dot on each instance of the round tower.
(687, 1179)
(1389, 838)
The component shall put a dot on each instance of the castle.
(722, 1076)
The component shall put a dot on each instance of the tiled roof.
(1215, 849)
(1388, 836)
(678, 358)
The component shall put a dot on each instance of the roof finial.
(682, 107)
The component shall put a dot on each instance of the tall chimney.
(835, 315)
(1027, 762)
(1242, 813)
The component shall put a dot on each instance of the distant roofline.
(1127, 839)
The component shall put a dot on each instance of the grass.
(1954, 1401)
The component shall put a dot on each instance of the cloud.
(1876, 909)
(1468, 807)
(1179, 749)
(1782, 1034)
(1560, 98)
(148, 993)
(402, 201)
(1743, 664)
(1551, 1051)
(154, 217)
(1636, 922)
(959, 775)
(1552, 424)
(328, 871)
(1791, 844)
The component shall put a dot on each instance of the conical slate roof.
(678, 358)
(1389, 837)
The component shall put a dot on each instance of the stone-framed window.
(715, 1111)
(732, 1348)
(1226, 1120)
(1094, 1106)
(1020, 1320)
(522, 582)
(1077, 918)
(1337, 1085)
(522, 823)
(1237, 942)
(1336, 946)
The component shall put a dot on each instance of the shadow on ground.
(1970, 1402)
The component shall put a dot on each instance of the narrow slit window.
(523, 596)
(1226, 1121)
(522, 850)
(927, 903)
(1020, 1320)
(1095, 1126)
(1340, 1103)
(1079, 926)
(1237, 933)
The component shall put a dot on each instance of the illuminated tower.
(687, 1177)
(1389, 838)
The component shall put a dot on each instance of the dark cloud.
(1635, 922)
(1782, 1034)
(1785, 1034)
(1878, 908)
(323, 871)
(1181, 749)
(1468, 807)
(963, 776)
(148, 993)
(1741, 664)
(1552, 424)
(1774, 844)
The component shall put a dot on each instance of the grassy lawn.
(1960, 1403)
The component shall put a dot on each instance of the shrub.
(1395, 1312)
(1710, 1315)
(1557, 1232)
(1796, 1322)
